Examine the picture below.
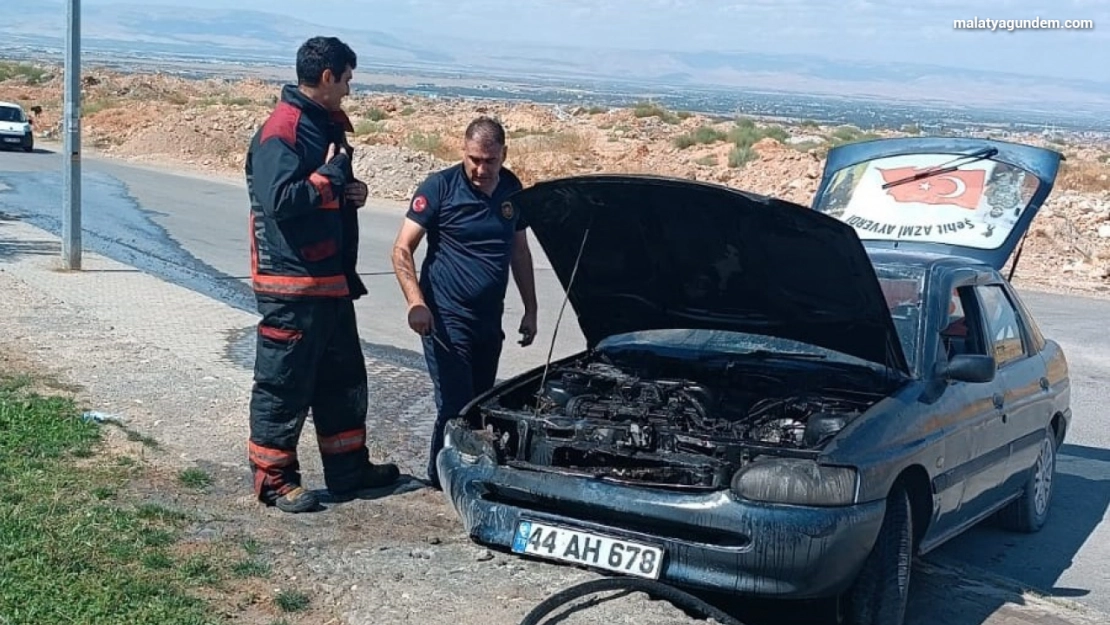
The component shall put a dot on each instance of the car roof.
(11, 104)
(929, 261)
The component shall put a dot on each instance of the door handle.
(1044, 383)
(998, 400)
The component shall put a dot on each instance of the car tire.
(1028, 513)
(881, 591)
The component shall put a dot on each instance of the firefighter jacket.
(304, 236)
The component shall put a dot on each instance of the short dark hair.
(486, 129)
(321, 53)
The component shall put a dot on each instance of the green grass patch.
(431, 143)
(195, 478)
(28, 73)
(741, 155)
(849, 134)
(704, 135)
(292, 600)
(369, 127)
(746, 133)
(72, 548)
(651, 109)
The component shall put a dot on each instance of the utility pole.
(71, 167)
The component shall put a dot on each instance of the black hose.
(680, 599)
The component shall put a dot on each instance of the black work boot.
(367, 477)
(296, 499)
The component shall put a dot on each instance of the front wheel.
(881, 592)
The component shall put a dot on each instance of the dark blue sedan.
(774, 399)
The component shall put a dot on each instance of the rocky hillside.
(206, 124)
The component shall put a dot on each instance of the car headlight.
(796, 481)
(470, 444)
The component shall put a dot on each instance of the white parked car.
(15, 127)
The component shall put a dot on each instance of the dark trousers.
(461, 368)
(309, 357)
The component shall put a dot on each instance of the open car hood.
(669, 253)
(978, 208)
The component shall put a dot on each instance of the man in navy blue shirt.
(474, 238)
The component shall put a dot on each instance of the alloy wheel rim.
(1042, 486)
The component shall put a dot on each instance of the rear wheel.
(881, 592)
(1029, 512)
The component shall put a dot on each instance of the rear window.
(974, 204)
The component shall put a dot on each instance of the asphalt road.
(192, 230)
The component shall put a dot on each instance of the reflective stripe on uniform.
(351, 440)
(268, 459)
(323, 286)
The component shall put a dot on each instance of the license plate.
(605, 552)
(12, 139)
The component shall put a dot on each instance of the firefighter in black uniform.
(304, 246)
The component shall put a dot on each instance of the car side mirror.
(974, 368)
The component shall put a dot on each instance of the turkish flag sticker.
(963, 188)
(419, 203)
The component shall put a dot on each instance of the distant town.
(428, 81)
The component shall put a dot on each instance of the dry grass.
(1084, 176)
(536, 156)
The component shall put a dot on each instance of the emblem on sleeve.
(507, 210)
(419, 203)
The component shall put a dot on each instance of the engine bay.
(669, 422)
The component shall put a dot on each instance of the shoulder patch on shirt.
(419, 203)
(507, 210)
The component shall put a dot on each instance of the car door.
(970, 415)
(1021, 394)
(1023, 384)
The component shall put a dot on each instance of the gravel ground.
(160, 357)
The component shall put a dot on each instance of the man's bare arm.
(404, 267)
(523, 272)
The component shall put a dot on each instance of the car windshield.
(955, 199)
(10, 114)
(902, 286)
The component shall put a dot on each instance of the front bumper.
(24, 141)
(712, 541)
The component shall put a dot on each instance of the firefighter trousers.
(308, 357)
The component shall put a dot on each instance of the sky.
(918, 31)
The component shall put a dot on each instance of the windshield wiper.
(945, 168)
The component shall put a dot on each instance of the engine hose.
(658, 590)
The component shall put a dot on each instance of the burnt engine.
(603, 420)
(603, 392)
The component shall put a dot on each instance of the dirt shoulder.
(401, 558)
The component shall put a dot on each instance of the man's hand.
(527, 329)
(356, 193)
(420, 319)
